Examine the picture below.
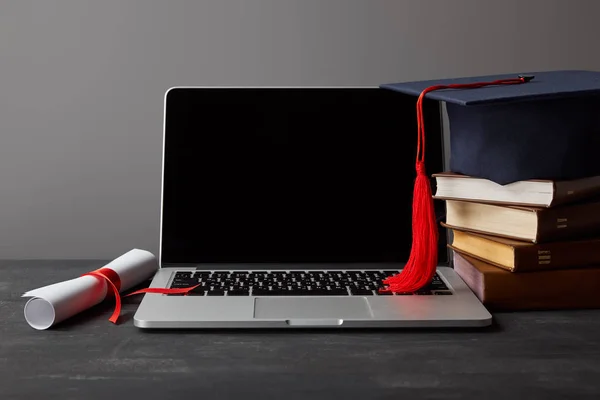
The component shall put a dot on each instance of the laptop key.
(261, 291)
(438, 286)
(361, 292)
(187, 279)
(303, 293)
(182, 285)
(199, 291)
(216, 292)
(422, 292)
(238, 292)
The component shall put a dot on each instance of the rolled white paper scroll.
(52, 304)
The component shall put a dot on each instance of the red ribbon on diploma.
(114, 284)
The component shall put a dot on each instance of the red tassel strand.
(422, 263)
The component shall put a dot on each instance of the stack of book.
(526, 245)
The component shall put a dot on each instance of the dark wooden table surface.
(535, 355)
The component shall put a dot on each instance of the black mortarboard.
(548, 128)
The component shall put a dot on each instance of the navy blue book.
(547, 128)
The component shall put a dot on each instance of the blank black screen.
(310, 175)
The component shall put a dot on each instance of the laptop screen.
(291, 175)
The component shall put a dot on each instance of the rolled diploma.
(52, 304)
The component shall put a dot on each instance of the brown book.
(501, 290)
(532, 224)
(519, 256)
(536, 193)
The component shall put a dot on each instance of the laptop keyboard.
(294, 283)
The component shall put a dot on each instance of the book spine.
(568, 222)
(559, 289)
(575, 190)
(479, 257)
(557, 255)
(501, 290)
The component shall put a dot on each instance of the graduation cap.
(505, 128)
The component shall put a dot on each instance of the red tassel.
(422, 263)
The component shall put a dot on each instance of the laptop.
(288, 206)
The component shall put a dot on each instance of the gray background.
(82, 84)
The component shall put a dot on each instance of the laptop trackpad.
(312, 308)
